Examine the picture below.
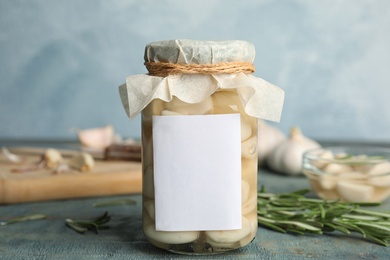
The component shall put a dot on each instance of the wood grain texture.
(106, 178)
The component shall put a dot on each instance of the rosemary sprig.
(83, 226)
(23, 218)
(294, 213)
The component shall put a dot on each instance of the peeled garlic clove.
(83, 162)
(254, 225)
(249, 148)
(380, 181)
(171, 237)
(354, 192)
(377, 170)
(380, 168)
(269, 137)
(244, 191)
(327, 182)
(178, 106)
(225, 102)
(250, 205)
(248, 167)
(97, 138)
(170, 113)
(230, 236)
(52, 157)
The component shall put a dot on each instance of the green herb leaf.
(293, 213)
(82, 226)
(24, 218)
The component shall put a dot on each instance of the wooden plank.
(106, 178)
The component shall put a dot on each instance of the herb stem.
(294, 213)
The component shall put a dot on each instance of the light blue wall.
(62, 61)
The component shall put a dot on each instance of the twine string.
(163, 69)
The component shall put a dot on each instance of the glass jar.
(200, 106)
(203, 241)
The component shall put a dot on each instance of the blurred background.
(61, 62)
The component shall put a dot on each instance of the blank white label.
(197, 172)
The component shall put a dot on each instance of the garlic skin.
(269, 137)
(286, 158)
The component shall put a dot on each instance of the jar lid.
(199, 52)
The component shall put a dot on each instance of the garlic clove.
(223, 102)
(52, 158)
(83, 162)
(248, 166)
(171, 237)
(380, 181)
(201, 108)
(354, 192)
(97, 138)
(380, 168)
(244, 191)
(254, 226)
(249, 148)
(269, 137)
(327, 182)
(250, 205)
(170, 113)
(379, 175)
(230, 236)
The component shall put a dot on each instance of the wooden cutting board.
(106, 178)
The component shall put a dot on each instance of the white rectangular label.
(197, 172)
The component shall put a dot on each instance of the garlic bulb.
(269, 137)
(96, 138)
(287, 156)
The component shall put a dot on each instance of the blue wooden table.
(52, 239)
